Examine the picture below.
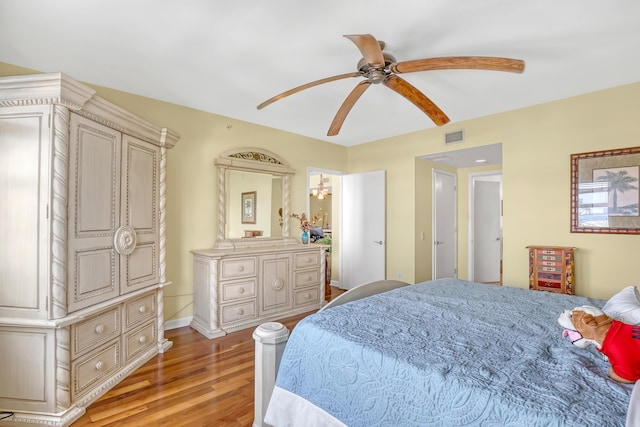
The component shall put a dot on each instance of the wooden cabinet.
(241, 288)
(82, 269)
(551, 268)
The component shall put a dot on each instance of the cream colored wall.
(537, 144)
(191, 180)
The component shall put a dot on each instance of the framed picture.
(249, 207)
(604, 191)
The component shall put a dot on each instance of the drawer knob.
(99, 328)
(142, 339)
(240, 311)
(241, 268)
(241, 290)
(100, 365)
(307, 296)
(308, 278)
(142, 309)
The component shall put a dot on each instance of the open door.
(363, 229)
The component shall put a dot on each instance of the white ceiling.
(227, 56)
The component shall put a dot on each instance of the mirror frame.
(252, 160)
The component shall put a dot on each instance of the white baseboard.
(177, 323)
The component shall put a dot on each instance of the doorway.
(485, 234)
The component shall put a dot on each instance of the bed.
(441, 353)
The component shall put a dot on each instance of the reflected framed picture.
(604, 191)
(249, 207)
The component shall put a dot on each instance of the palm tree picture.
(623, 193)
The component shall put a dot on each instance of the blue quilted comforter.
(451, 353)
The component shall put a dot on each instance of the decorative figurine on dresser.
(82, 253)
(244, 281)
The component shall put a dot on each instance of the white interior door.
(362, 229)
(444, 225)
(487, 229)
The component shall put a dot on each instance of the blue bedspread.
(451, 353)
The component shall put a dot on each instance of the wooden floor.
(197, 382)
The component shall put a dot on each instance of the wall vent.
(454, 137)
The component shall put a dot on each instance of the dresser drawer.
(93, 367)
(95, 331)
(139, 310)
(236, 312)
(307, 278)
(306, 260)
(139, 340)
(306, 296)
(237, 267)
(238, 290)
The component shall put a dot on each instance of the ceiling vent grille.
(454, 137)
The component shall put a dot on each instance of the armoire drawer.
(139, 340)
(94, 366)
(236, 312)
(306, 278)
(237, 267)
(306, 260)
(95, 331)
(139, 310)
(232, 291)
(306, 296)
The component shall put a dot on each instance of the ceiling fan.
(378, 66)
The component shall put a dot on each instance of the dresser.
(243, 287)
(552, 268)
(82, 254)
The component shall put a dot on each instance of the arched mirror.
(253, 199)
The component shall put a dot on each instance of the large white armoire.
(82, 246)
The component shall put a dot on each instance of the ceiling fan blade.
(410, 92)
(346, 106)
(369, 47)
(307, 86)
(459, 62)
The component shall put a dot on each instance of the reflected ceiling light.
(320, 192)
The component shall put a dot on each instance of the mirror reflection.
(253, 205)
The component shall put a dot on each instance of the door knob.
(437, 242)
(378, 242)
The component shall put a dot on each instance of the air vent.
(454, 137)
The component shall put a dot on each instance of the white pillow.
(624, 306)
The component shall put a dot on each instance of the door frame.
(470, 245)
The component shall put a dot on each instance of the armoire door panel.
(95, 169)
(142, 269)
(24, 166)
(94, 212)
(92, 277)
(140, 166)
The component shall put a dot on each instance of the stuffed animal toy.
(618, 341)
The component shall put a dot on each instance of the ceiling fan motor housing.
(376, 75)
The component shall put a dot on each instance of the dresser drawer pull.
(142, 309)
(307, 296)
(99, 328)
(100, 365)
(142, 339)
(240, 312)
(309, 259)
(241, 290)
(309, 278)
(241, 268)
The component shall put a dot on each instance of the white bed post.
(271, 338)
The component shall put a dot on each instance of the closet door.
(94, 213)
(140, 184)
